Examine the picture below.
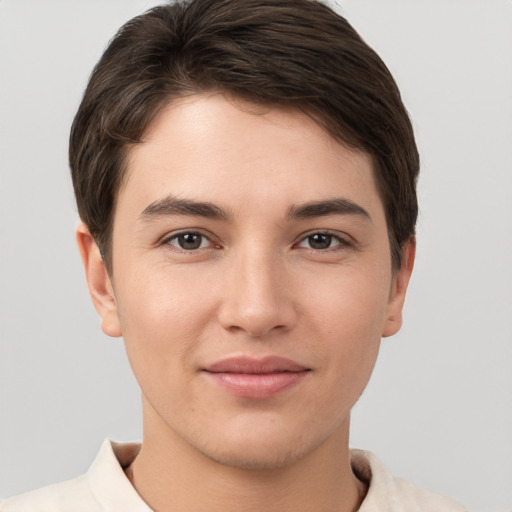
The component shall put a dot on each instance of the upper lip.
(244, 364)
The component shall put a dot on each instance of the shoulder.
(61, 497)
(392, 494)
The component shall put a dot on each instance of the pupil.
(190, 241)
(320, 241)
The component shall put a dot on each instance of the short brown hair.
(296, 53)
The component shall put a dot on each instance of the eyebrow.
(171, 205)
(336, 206)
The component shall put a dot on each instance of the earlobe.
(98, 282)
(400, 283)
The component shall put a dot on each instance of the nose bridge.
(256, 299)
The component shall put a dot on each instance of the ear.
(98, 281)
(398, 290)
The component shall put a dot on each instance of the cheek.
(162, 317)
(351, 305)
(163, 298)
(349, 315)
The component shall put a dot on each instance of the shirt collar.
(108, 482)
(113, 491)
(379, 482)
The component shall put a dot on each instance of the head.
(293, 54)
(247, 170)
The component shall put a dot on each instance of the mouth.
(248, 377)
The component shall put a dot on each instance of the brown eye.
(189, 241)
(320, 241)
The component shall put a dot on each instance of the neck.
(170, 474)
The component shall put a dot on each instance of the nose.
(257, 296)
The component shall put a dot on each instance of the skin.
(317, 289)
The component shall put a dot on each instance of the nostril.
(254, 326)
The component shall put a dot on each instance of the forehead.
(211, 145)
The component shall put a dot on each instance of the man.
(245, 172)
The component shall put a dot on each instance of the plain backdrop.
(438, 409)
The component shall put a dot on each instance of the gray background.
(438, 408)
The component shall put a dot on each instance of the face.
(251, 280)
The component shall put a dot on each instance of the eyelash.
(341, 242)
(175, 237)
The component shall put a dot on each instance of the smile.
(246, 377)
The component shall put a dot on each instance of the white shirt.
(105, 488)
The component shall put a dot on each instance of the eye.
(322, 241)
(189, 241)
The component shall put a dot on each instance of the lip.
(249, 377)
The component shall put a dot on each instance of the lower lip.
(257, 385)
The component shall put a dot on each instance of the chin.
(259, 449)
(262, 459)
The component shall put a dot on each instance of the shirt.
(106, 488)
